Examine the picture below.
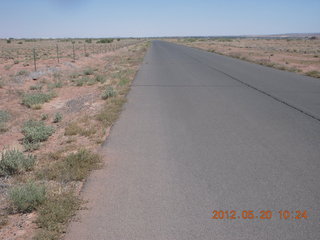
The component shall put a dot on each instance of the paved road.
(204, 132)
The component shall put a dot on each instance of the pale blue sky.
(141, 18)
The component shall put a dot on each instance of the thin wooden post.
(34, 60)
(74, 55)
(58, 53)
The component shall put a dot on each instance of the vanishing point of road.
(204, 132)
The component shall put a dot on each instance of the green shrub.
(27, 197)
(57, 118)
(109, 92)
(14, 161)
(35, 132)
(32, 100)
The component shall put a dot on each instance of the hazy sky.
(140, 18)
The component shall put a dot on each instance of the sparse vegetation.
(57, 117)
(44, 116)
(88, 71)
(37, 87)
(110, 112)
(61, 166)
(23, 73)
(56, 84)
(35, 100)
(54, 213)
(74, 167)
(315, 74)
(14, 161)
(108, 93)
(106, 40)
(74, 129)
(27, 197)
(100, 79)
(35, 132)
(4, 117)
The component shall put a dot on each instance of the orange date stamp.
(259, 214)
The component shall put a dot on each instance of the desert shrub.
(72, 129)
(35, 132)
(36, 87)
(74, 167)
(100, 78)
(44, 116)
(106, 40)
(56, 84)
(35, 99)
(88, 40)
(88, 71)
(315, 74)
(82, 81)
(22, 73)
(57, 117)
(54, 213)
(110, 112)
(4, 117)
(27, 197)
(123, 82)
(109, 92)
(14, 161)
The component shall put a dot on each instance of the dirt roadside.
(79, 101)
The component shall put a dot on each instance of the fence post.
(85, 50)
(74, 55)
(58, 53)
(34, 59)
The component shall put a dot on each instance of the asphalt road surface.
(203, 132)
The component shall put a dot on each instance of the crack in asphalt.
(303, 111)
